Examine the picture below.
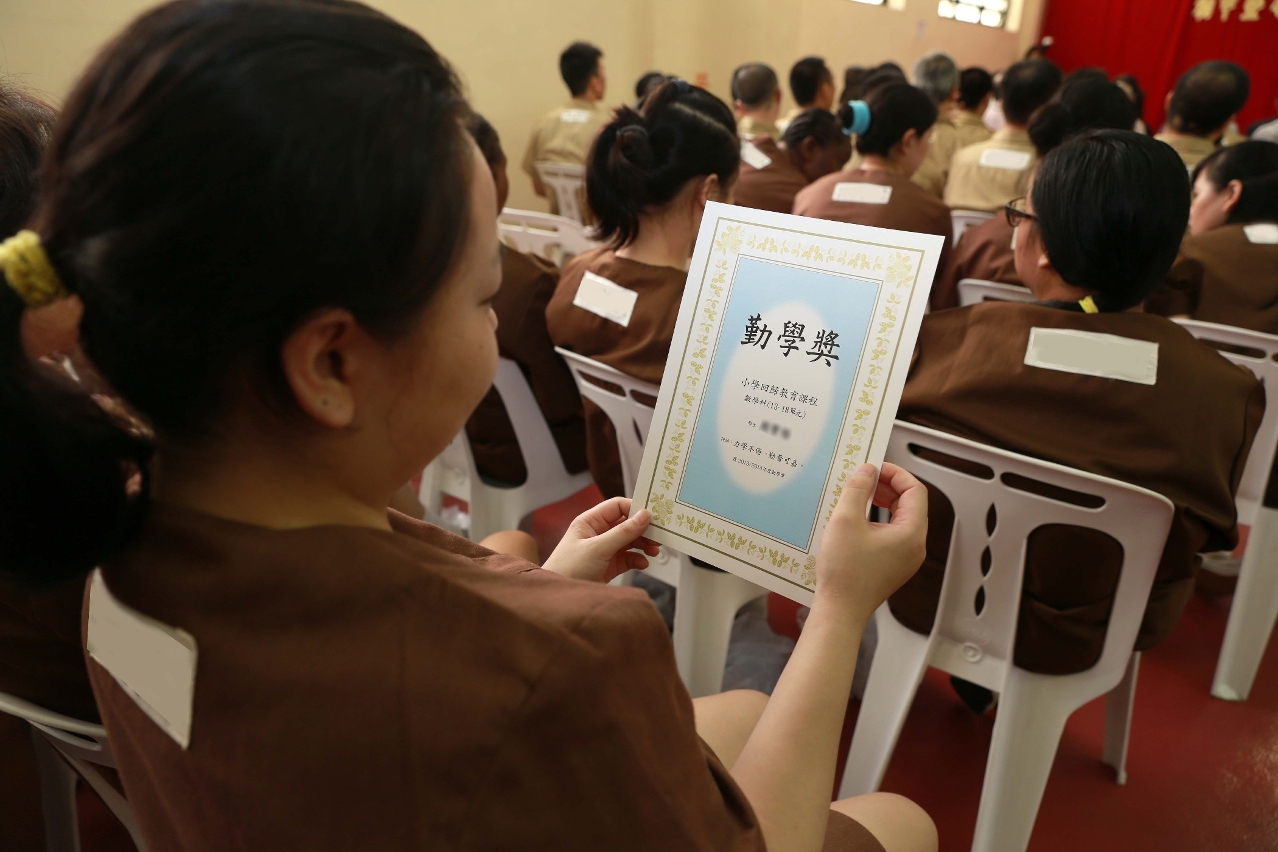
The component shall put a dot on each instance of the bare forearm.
(787, 768)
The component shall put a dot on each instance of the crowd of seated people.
(228, 353)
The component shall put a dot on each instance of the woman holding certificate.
(301, 310)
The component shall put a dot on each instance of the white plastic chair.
(973, 291)
(494, 508)
(1255, 605)
(708, 600)
(543, 234)
(964, 219)
(568, 182)
(974, 634)
(65, 748)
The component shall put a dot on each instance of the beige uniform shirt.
(791, 116)
(987, 175)
(1192, 149)
(564, 134)
(748, 127)
(935, 168)
(969, 127)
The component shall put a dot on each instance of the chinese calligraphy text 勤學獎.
(758, 334)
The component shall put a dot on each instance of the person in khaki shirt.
(812, 85)
(987, 175)
(938, 75)
(1206, 99)
(976, 88)
(564, 134)
(756, 101)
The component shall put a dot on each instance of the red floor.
(1202, 773)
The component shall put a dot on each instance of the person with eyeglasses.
(1099, 228)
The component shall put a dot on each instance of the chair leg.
(899, 663)
(1118, 719)
(1027, 731)
(57, 798)
(705, 607)
(1251, 616)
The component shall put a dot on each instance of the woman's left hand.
(598, 545)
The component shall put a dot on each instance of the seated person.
(756, 101)
(891, 128)
(527, 283)
(771, 175)
(650, 176)
(1227, 271)
(986, 251)
(987, 175)
(976, 89)
(1131, 87)
(811, 85)
(359, 680)
(1206, 99)
(938, 76)
(564, 134)
(853, 77)
(647, 84)
(1089, 262)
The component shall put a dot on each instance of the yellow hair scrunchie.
(27, 269)
(1088, 305)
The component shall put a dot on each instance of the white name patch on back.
(1262, 233)
(862, 193)
(1005, 158)
(753, 157)
(606, 299)
(1087, 353)
(575, 116)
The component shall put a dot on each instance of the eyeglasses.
(1016, 212)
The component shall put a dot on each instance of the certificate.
(785, 371)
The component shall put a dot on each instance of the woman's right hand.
(861, 562)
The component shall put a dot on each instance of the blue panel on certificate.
(776, 396)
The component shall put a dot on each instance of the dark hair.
(877, 79)
(1137, 93)
(1207, 96)
(1089, 103)
(806, 77)
(647, 83)
(1112, 206)
(853, 76)
(1258, 202)
(816, 123)
(642, 159)
(26, 123)
(974, 85)
(1253, 163)
(894, 109)
(577, 64)
(485, 136)
(197, 251)
(754, 85)
(891, 67)
(1026, 86)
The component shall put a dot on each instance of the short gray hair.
(937, 75)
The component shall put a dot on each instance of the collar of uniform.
(749, 127)
(582, 103)
(1013, 136)
(1074, 307)
(963, 118)
(1189, 144)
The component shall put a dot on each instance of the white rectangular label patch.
(862, 193)
(753, 157)
(610, 301)
(1005, 158)
(575, 116)
(1262, 233)
(153, 662)
(1088, 353)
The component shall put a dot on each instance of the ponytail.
(816, 123)
(642, 159)
(894, 108)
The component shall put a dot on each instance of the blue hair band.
(860, 118)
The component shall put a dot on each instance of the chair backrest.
(545, 466)
(84, 740)
(964, 219)
(975, 629)
(568, 182)
(972, 291)
(1259, 356)
(543, 234)
(630, 417)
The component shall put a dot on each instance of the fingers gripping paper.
(786, 368)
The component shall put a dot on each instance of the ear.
(319, 359)
(706, 189)
(1233, 194)
(808, 148)
(1167, 102)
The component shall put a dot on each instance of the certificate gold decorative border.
(895, 268)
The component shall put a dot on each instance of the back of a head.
(197, 251)
(816, 123)
(26, 123)
(1131, 86)
(1026, 86)
(1259, 201)
(1090, 103)
(754, 85)
(853, 77)
(937, 75)
(1254, 164)
(647, 83)
(577, 64)
(1207, 96)
(879, 78)
(894, 109)
(974, 85)
(1112, 207)
(806, 78)
(642, 159)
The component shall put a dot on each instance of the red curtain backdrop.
(1157, 40)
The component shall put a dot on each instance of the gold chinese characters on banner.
(1205, 10)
